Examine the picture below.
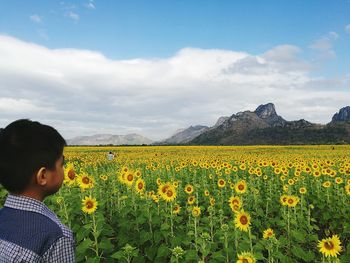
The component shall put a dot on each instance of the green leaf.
(93, 260)
(118, 255)
(151, 252)
(145, 236)
(300, 253)
(106, 244)
(83, 246)
(163, 251)
(298, 235)
(218, 255)
(191, 255)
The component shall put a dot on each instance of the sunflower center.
(164, 189)
(245, 260)
(130, 177)
(140, 186)
(89, 204)
(241, 187)
(188, 189)
(290, 201)
(169, 193)
(86, 180)
(329, 245)
(235, 202)
(243, 219)
(71, 174)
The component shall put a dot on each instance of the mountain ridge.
(110, 139)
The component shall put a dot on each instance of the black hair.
(25, 147)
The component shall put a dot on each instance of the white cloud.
(72, 15)
(347, 28)
(324, 45)
(90, 4)
(35, 18)
(82, 92)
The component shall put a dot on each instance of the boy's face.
(56, 177)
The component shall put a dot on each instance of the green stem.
(195, 233)
(94, 232)
(250, 240)
(171, 220)
(288, 228)
(226, 247)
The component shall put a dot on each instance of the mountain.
(264, 126)
(109, 139)
(220, 121)
(342, 115)
(184, 135)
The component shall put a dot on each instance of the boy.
(31, 168)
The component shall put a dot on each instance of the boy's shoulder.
(31, 225)
(29, 230)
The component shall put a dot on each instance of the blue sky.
(310, 37)
(159, 28)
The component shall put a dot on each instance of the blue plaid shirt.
(31, 232)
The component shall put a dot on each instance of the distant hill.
(109, 139)
(264, 126)
(184, 135)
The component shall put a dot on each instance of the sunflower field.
(207, 203)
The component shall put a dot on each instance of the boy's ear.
(41, 176)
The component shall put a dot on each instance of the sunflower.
(330, 247)
(291, 182)
(140, 185)
(242, 167)
(338, 180)
(242, 221)
(347, 189)
(159, 182)
(103, 177)
(246, 257)
(137, 173)
(129, 178)
(292, 201)
(283, 200)
(191, 199)
(85, 181)
(206, 193)
(162, 188)
(89, 205)
(326, 184)
(241, 187)
(316, 173)
(70, 175)
(277, 170)
(170, 194)
(235, 203)
(155, 198)
(176, 209)
(212, 201)
(196, 211)
(189, 189)
(221, 183)
(302, 190)
(125, 169)
(268, 233)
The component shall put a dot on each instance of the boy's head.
(29, 150)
